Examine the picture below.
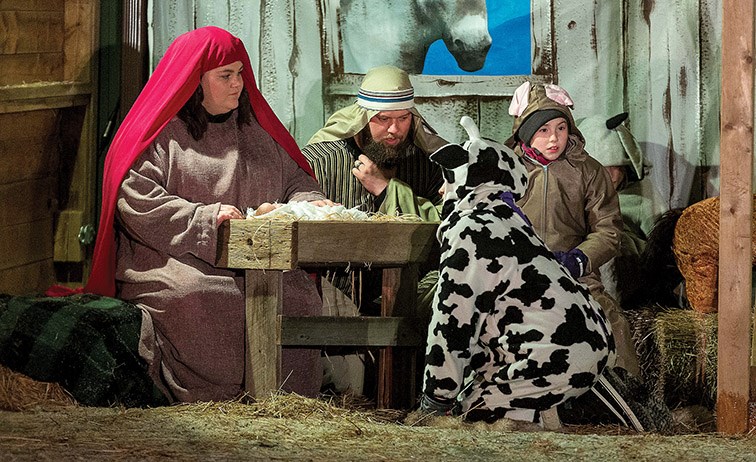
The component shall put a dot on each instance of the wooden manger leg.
(264, 300)
(397, 367)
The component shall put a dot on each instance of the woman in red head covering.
(200, 145)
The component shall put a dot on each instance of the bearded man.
(373, 155)
(372, 152)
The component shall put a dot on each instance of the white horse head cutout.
(399, 32)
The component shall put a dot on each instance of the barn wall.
(45, 92)
(659, 61)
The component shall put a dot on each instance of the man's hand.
(370, 175)
(227, 212)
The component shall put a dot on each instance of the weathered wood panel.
(444, 116)
(81, 21)
(25, 243)
(351, 331)
(663, 88)
(28, 145)
(48, 55)
(32, 5)
(31, 42)
(24, 32)
(26, 201)
(43, 95)
(710, 27)
(30, 68)
(29, 279)
(589, 48)
(66, 245)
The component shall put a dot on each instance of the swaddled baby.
(512, 332)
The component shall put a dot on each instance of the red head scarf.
(175, 79)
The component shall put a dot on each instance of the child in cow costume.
(512, 332)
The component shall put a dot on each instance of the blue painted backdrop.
(509, 26)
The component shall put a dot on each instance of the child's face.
(551, 138)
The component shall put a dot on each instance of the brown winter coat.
(571, 202)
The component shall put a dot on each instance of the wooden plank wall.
(46, 49)
(612, 57)
(27, 195)
(31, 46)
(31, 50)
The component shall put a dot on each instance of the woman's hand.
(323, 203)
(228, 212)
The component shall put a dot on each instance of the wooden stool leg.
(262, 368)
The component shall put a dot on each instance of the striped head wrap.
(386, 88)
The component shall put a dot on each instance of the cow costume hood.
(480, 169)
(511, 332)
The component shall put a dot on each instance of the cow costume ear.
(472, 130)
(450, 156)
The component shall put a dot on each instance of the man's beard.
(386, 157)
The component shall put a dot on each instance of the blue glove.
(438, 407)
(575, 261)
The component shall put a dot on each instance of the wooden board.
(25, 243)
(282, 245)
(28, 146)
(31, 32)
(362, 331)
(26, 201)
(734, 326)
(29, 279)
(34, 67)
(80, 47)
(67, 247)
(257, 245)
(31, 5)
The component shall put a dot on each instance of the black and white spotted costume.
(512, 332)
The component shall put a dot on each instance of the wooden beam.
(736, 158)
(43, 95)
(282, 245)
(356, 331)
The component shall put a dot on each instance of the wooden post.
(397, 368)
(262, 371)
(736, 161)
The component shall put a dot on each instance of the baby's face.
(551, 138)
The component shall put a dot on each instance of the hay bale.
(19, 392)
(677, 349)
(696, 249)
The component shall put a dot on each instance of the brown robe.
(193, 338)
